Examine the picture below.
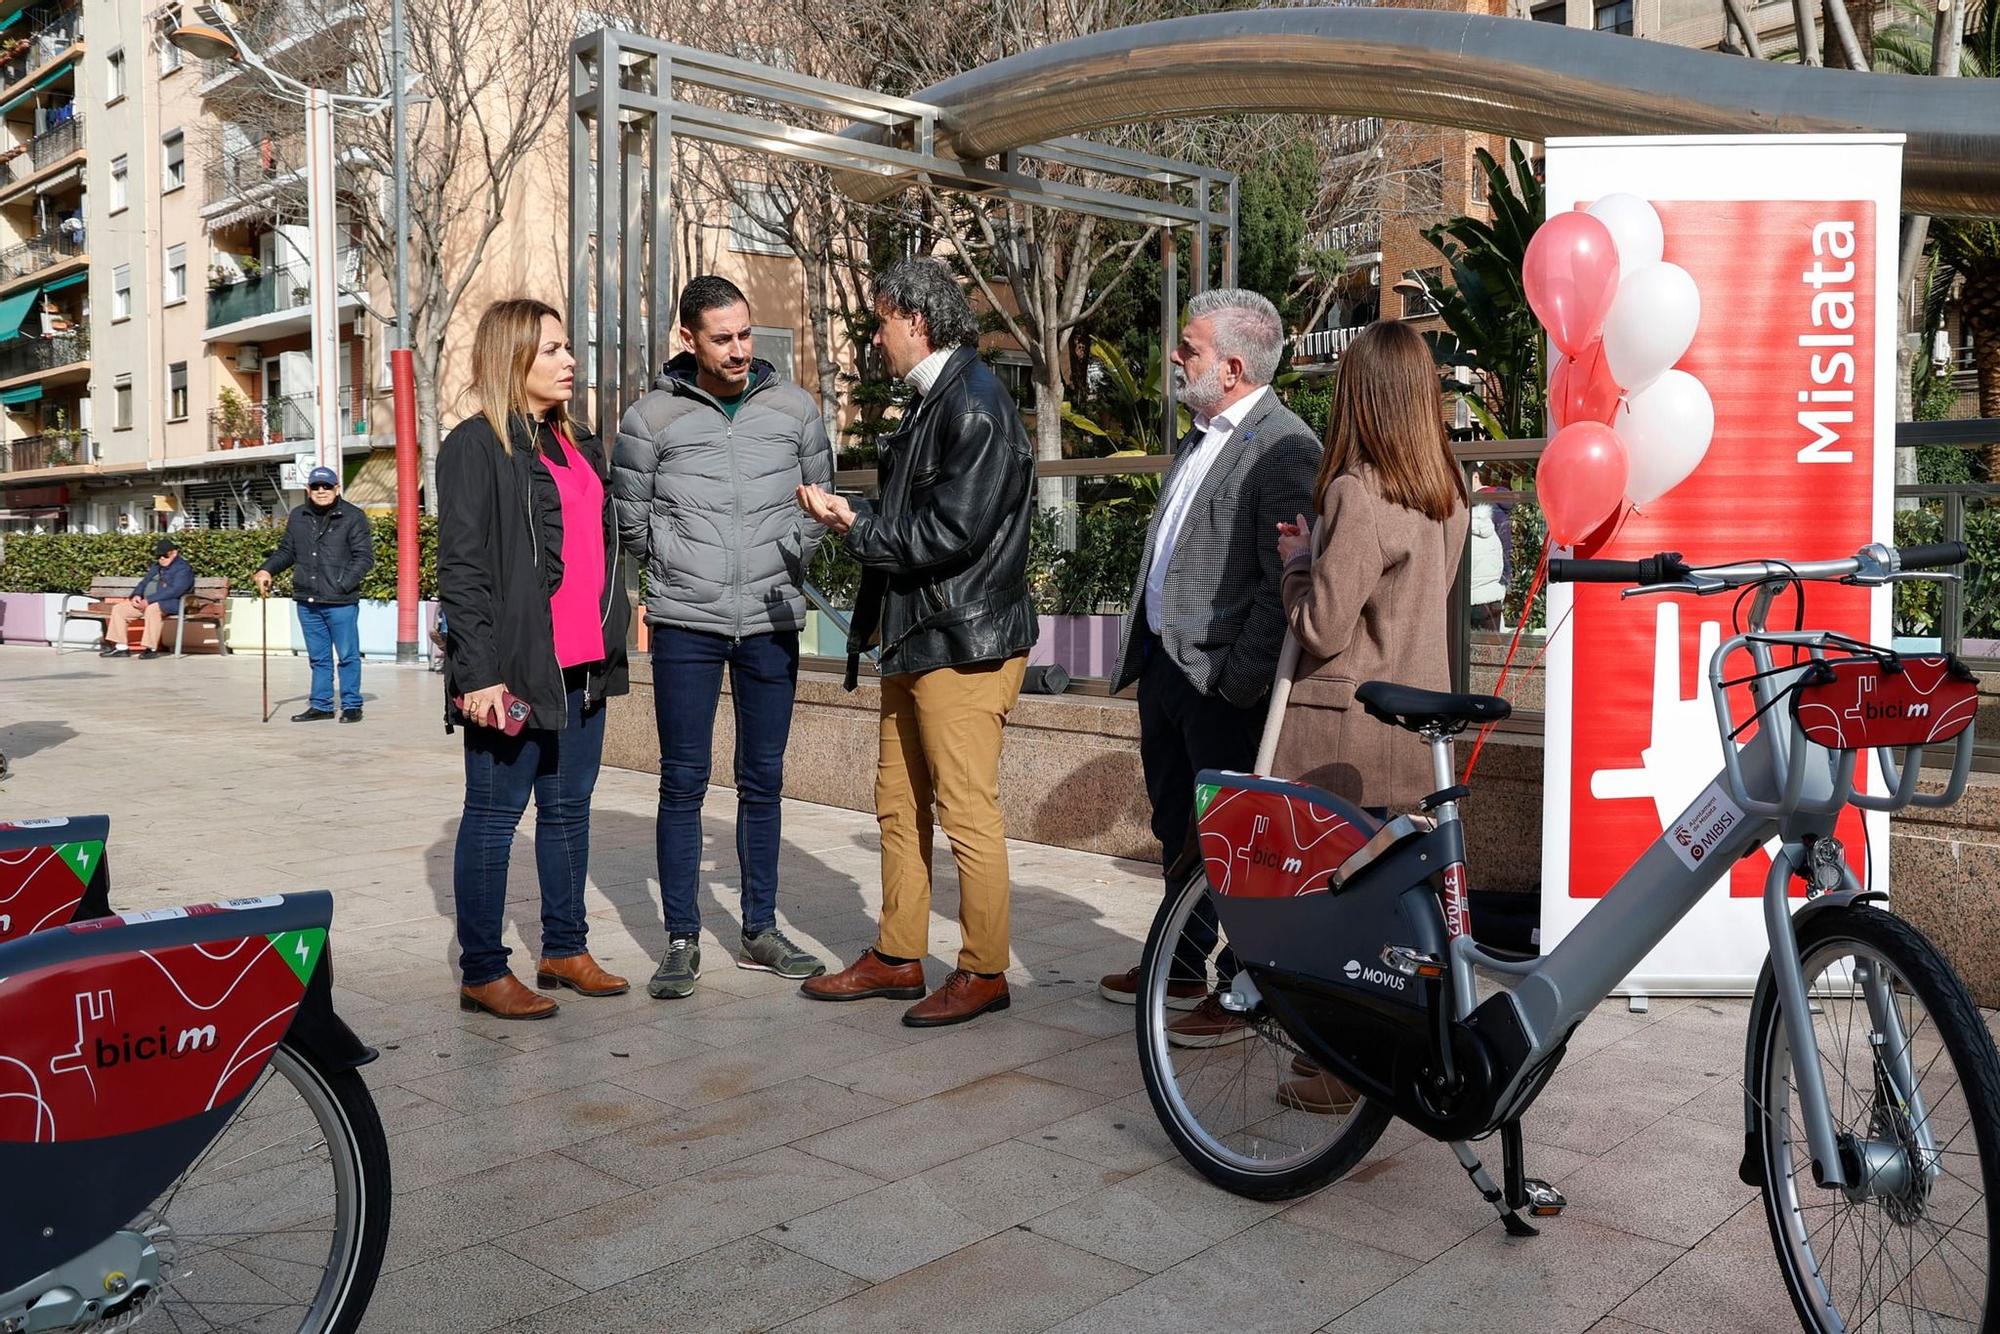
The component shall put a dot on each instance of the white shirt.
(925, 373)
(1216, 433)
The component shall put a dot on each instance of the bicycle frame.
(1770, 787)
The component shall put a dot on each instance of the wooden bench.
(206, 605)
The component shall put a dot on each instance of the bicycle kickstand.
(1538, 1197)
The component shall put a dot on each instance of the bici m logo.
(149, 1046)
(1353, 970)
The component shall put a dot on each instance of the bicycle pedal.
(1544, 1200)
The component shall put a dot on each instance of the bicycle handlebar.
(1872, 564)
(1932, 556)
(1667, 567)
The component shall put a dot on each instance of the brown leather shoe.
(963, 996)
(505, 998)
(1208, 1025)
(581, 974)
(868, 977)
(1123, 989)
(1320, 1094)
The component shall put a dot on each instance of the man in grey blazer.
(1206, 623)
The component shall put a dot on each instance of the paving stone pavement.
(745, 1159)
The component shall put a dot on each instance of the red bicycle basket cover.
(1868, 703)
(1271, 840)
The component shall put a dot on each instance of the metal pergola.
(621, 230)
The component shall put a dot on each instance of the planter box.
(1081, 645)
(24, 618)
(245, 626)
(77, 632)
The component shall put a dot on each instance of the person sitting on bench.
(168, 579)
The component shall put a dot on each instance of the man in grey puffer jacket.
(704, 478)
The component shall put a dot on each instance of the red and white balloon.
(1621, 318)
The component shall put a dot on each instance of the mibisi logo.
(1353, 970)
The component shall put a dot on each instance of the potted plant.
(252, 267)
(232, 418)
(65, 442)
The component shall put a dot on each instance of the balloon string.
(1514, 647)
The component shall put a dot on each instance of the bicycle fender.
(320, 1032)
(52, 873)
(128, 1043)
(1751, 1170)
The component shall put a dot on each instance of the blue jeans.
(560, 770)
(333, 632)
(687, 685)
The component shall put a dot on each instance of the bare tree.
(488, 81)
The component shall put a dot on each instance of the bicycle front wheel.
(1232, 1108)
(279, 1226)
(1913, 1086)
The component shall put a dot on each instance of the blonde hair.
(504, 347)
(1387, 412)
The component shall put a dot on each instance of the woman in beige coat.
(1366, 591)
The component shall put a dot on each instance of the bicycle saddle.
(1425, 710)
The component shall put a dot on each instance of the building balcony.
(1357, 136)
(276, 421)
(37, 40)
(1323, 345)
(51, 449)
(39, 254)
(277, 302)
(42, 356)
(61, 140)
(293, 38)
(1363, 236)
(246, 171)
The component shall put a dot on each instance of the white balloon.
(1650, 325)
(1666, 428)
(1634, 227)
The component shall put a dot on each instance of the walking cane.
(1274, 713)
(264, 645)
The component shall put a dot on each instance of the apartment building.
(155, 362)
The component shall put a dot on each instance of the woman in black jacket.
(528, 582)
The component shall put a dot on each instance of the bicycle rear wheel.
(279, 1226)
(1220, 1104)
(1913, 1085)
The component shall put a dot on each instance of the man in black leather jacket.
(944, 592)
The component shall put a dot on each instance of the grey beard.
(1201, 395)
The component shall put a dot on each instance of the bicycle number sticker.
(1703, 825)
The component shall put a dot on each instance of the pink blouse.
(578, 605)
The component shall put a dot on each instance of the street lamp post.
(216, 38)
(402, 364)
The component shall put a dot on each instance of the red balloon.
(1581, 480)
(1571, 275)
(1581, 389)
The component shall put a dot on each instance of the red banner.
(1787, 350)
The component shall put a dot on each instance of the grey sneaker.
(771, 952)
(678, 969)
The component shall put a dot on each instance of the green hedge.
(67, 562)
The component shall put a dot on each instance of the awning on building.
(12, 19)
(14, 311)
(15, 398)
(70, 281)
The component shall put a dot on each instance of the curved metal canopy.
(1474, 72)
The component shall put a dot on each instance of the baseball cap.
(322, 476)
(164, 545)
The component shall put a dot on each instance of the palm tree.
(1489, 328)
(1969, 247)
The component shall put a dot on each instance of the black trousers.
(1182, 732)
